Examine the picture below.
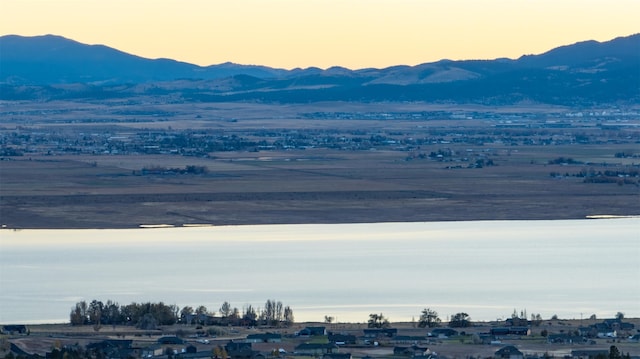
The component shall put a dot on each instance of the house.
(627, 326)
(264, 338)
(503, 331)
(408, 340)
(312, 331)
(315, 349)
(197, 355)
(152, 351)
(239, 350)
(235, 346)
(111, 343)
(412, 351)
(380, 332)
(342, 339)
(565, 339)
(634, 338)
(618, 324)
(588, 332)
(337, 356)
(200, 318)
(612, 334)
(525, 331)
(443, 333)
(516, 322)
(486, 338)
(245, 354)
(14, 329)
(499, 331)
(170, 340)
(609, 328)
(112, 348)
(508, 352)
(589, 353)
(66, 351)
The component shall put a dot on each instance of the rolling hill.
(589, 72)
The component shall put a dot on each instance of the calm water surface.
(486, 269)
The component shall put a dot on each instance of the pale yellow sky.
(324, 33)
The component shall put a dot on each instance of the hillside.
(585, 73)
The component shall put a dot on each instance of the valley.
(122, 164)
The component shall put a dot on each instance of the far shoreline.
(247, 224)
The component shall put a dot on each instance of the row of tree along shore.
(275, 314)
(150, 315)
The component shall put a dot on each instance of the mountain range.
(52, 67)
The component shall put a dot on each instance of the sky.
(324, 33)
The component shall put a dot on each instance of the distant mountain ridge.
(585, 72)
(51, 59)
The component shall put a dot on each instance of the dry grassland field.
(124, 164)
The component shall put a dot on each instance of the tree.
(219, 353)
(130, 313)
(536, 319)
(279, 313)
(328, 319)
(175, 312)
(288, 316)
(460, 320)
(614, 353)
(201, 310)
(111, 313)
(429, 318)
(186, 312)
(272, 313)
(249, 317)
(95, 314)
(147, 322)
(225, 309)
(619, 315)
(275, 313)
(78, 315)
(377, 321)
(163, 313)
(235, 314)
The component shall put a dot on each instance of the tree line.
(429, 319)
(150, 315)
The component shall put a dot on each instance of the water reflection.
(347, 271)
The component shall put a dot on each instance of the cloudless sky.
(324, 33)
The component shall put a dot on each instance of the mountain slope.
(587, 72)
(53, 59)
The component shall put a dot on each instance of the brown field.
(313, 185)
(309, 187)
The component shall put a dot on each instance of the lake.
(571, 268)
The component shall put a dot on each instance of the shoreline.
(248, 224)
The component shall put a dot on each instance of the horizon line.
(312, 67)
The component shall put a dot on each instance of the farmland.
(122, 164)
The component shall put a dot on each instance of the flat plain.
(84, 164)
